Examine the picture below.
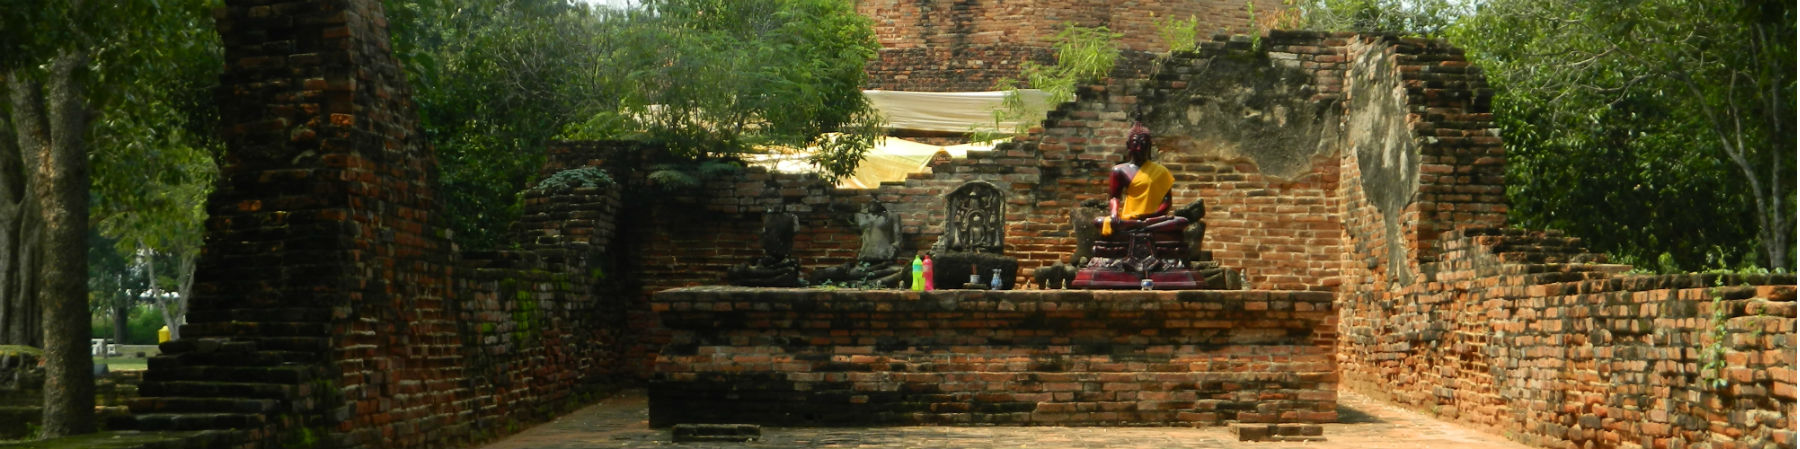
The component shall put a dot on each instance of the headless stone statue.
(776, 267)
(880, 234)
(875, 265)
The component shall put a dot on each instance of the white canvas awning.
(891, 160)
(894, 158)
(950, 111)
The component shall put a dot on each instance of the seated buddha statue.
(1139, 237)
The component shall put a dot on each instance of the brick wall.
(964, 45)
(1517, 334)
(1526, 334)
(1268, 166)
(330, 308)
(811, 357)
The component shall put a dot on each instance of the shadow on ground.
(1349, 415)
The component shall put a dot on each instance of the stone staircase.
(256, 371)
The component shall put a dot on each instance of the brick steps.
(154, 405)
(260, 315)
(189, 421)
(257, 329)
(259, 358)
(212, 389)
(292, 374)
(215, 382)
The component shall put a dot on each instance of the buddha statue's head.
(1138, 146)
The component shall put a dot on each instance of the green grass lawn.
(122, 363)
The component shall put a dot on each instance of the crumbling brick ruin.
(966, 45)
(1363, 170)
(330, 308)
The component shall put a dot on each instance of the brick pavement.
(621, 422)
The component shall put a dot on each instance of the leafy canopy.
(1083, 56)
(1661, 131)
(1651, 128)
(494, 81)
(719, 78)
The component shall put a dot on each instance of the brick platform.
(824, 357)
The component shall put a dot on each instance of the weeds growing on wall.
(584, 177)
(1083, 56)
(1179, 35)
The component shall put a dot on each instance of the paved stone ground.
(621, 422)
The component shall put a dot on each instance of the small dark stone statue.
(974, 235)
(1054, 277)
(776, 267)
(875, 265)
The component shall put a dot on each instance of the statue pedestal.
(1126, 259)
(1104, 279)
(766, 272)
(951, 270)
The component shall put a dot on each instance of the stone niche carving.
(974, 239)
(975, 220)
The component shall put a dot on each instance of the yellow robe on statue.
(1144, 195)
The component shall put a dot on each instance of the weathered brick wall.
(321, 276)
(1514, 333)
(330, 309)
(1523, 333)
(810, 357)
(964, 45)
(1266, 164)
(542, 324)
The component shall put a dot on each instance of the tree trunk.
(121, 314)
(155, 293)
(19, 242)
(184, 286)
(51, 125)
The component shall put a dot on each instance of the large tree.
(73, 72)
(1650, 127)
(49, 117)
(718, 78)
(494, 80)
(1659, 130)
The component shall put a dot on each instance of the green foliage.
(712, 79)
(1255, 34)
(584, 177)
(1083, 56)
(690, 175)
(302, 437)
(148, 88)
(141, 325)
(111, 281)
(1179, 35)
(1647, 127)
(494, 81)
(1712, 357)
(1406, 17)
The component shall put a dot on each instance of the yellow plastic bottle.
(918, 274)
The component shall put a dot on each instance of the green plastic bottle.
(918, 274)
